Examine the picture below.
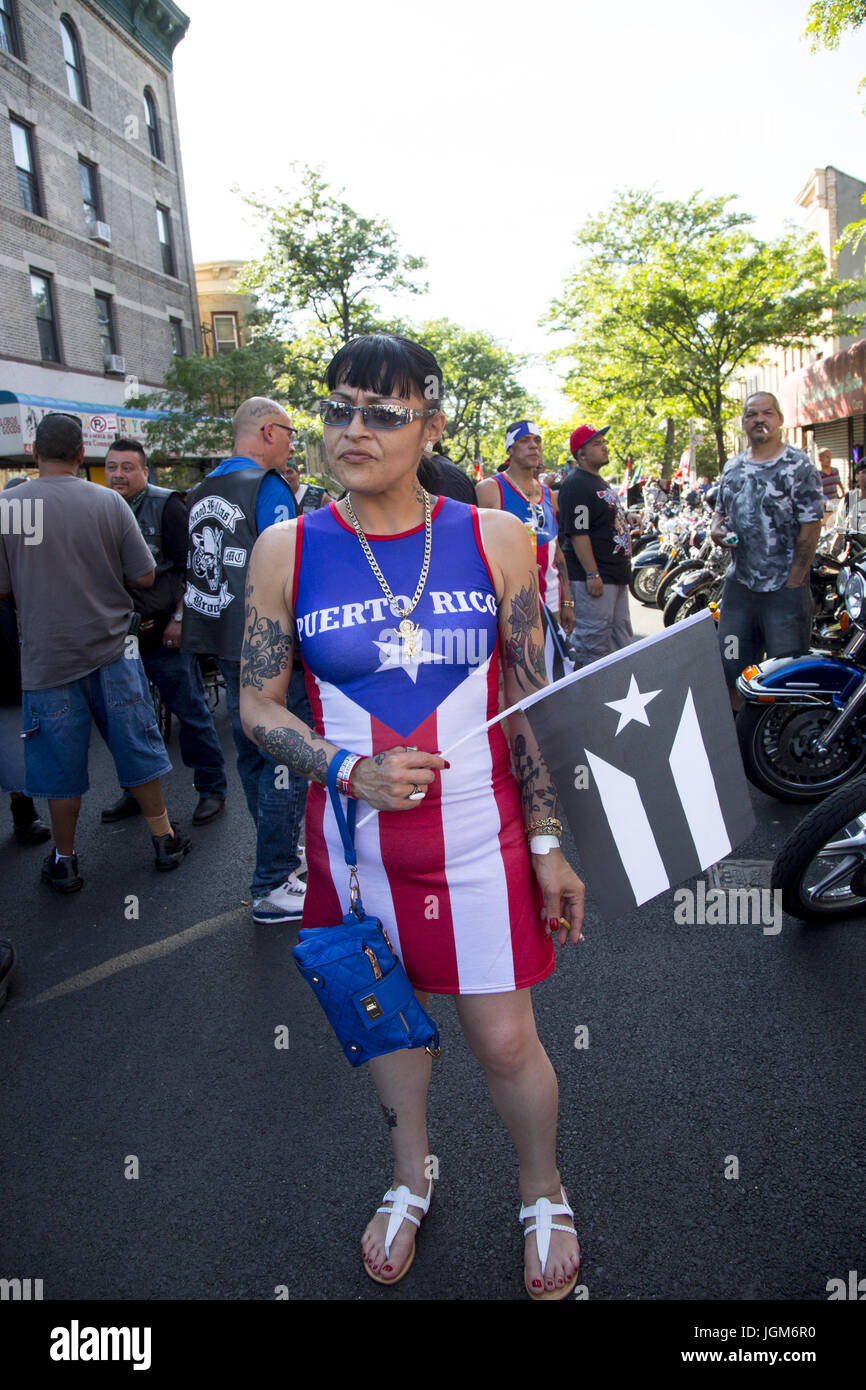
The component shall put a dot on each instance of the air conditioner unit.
(100, 231)
(115, 363)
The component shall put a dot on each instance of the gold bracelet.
(550, 826)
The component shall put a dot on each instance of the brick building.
(97, 291)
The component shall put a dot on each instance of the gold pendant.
(410, 634)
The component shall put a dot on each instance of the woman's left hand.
(564, 896)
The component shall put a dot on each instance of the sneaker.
(36, 832)
(62, 874)
(170, 849)
(283, 904)
(302, 867)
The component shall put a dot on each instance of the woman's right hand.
(386, 780)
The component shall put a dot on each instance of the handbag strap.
(345, 824)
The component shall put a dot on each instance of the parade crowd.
(292, 594)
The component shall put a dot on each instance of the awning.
(20, 414)
(831, 389)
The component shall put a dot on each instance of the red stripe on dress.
(321, 901)
(398, 535)
(479, 541)
(299, 541)
(529, 966)
(410, 841)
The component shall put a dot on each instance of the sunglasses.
(338, 414)
(288, 428)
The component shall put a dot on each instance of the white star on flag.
(393, 654)
(633, 707)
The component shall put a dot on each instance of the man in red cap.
(596, 543)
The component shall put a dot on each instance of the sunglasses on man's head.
(338, 414)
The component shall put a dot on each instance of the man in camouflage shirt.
(770, 498)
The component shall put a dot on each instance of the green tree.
(325, 266)
(201, 394)
(672, 298)
(830, 19)
(482, 392)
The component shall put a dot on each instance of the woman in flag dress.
(403, 606)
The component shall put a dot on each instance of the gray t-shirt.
(66, 571)
(766, 504)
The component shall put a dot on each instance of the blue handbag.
(354, 973)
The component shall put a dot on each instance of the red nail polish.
(375, 1269)
(448, 765)
(536, 1283)
(386, 1269)
(553, 923)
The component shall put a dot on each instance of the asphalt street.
(157, 1144)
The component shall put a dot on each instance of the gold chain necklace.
(409, 633)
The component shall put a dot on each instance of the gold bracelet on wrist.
(550, 826)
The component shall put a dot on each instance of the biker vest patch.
(222, 533)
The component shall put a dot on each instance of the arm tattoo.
(266, 651)
(390, 1117)
(522, 654)
(291, 749)
(536, 788)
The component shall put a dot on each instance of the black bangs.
(386, 365)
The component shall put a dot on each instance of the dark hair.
(127, 446)
(59, 436)
(386, 365)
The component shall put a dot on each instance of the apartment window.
(90, 192)
(72, 57)
(25, 165)
(46, 322)
(176, 329)
(151, 117)
(163, 228)
(105, 320)
(225, 332)
(9, 35)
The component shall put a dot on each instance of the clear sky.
(487, 132)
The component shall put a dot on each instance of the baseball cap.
(518, 429)
(582, 435)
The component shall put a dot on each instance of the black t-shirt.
(589, 507)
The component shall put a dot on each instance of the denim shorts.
(56, 726)
(751, 623)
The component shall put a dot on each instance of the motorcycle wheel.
(681, 606)
(673, 577)
(821, 868)
(777, 743)
(644, 582)
(163, 714)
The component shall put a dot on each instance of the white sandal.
(542, 1214)
(402, 1199)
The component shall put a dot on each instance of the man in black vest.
(161, 517)
(236, 502)
(308, 497)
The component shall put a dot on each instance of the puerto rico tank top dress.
(450, 878)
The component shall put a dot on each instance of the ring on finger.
(416, 794)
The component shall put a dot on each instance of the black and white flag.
(642, 750)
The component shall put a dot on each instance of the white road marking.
(140, 956)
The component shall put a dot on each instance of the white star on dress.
(393, 654)
(633, 707)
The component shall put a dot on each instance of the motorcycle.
(821, 868)
(699, 587)
(802, 731)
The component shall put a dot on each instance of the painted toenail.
(375, 1269)
(386, 1269)
(536, 1283)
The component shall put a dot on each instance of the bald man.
(227, 512)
